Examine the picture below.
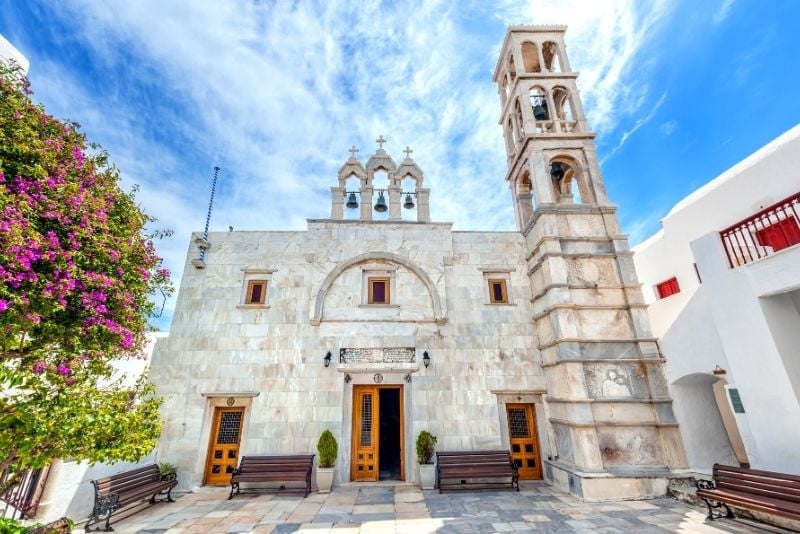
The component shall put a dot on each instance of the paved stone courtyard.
(359, 508)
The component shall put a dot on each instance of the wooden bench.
(751, 489)
(293, 468)
(471, 469)
(127, 488)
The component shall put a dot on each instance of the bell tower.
(610, 419)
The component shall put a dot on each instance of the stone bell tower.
(610, 416)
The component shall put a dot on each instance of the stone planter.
(427, 476)
(325, 479)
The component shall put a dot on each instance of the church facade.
(375, 327)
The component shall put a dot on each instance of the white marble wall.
(270, 359)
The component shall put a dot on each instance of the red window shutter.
(667, 288)
(779, 235)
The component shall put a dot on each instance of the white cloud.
(722, 13)
(636, 125)
(275, 93)
(669, 127)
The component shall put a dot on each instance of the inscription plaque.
(377, 355)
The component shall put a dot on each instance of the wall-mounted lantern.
(426, 359)
(327, 359)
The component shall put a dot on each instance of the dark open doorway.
(389, 434)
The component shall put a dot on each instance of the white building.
(536, 341)
(739, 235)
(9, 53)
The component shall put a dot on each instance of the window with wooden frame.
(379, 290)
(668, 288)
(498, 291)
(256, 292)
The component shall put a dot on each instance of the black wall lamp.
(327, 359)
(426, 359)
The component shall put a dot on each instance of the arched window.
(518, 116)
(512, 70)
(530, 57)
(511, 136)
(550, 56)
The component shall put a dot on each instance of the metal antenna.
(210, 207)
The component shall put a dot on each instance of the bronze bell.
(540, 112)
(380, 205)
(352, 201)
(557, 171)
(409, 202)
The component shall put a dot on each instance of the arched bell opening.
(540, 107)
(352, 197)
(380, 194)
(518, 118)
(523, 199)
(408, 198)
(512, 69)
(563, 104)
(569, 181)
(530, 57)
(550, 56)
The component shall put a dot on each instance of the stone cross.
(408, 152)
(353, 151)
(380, 140)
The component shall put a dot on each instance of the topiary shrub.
(426, 445)
(328, 449)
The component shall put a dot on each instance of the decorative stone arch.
(410, 170)
(319, 303)
(576, 171)
(563, 104)
(352, 168)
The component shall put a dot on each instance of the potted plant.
(426, 445)
(167, 471)
(328, 450)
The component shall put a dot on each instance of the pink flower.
(4, 305)
(63, 369)
(39, 367)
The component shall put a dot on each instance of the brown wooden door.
(524, 443)
(223, 449)
(364, 463)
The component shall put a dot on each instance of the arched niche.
(567, 172)
(523, 197)
(319, 303)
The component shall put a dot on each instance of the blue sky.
(275, 93)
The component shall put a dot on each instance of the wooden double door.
(377, 445)
(523, 440)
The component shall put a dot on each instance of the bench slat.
(476, 469)
(275, 468)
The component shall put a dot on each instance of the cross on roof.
(353, 151)
(408, 152)
(380, 140)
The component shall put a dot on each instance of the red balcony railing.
(764, 233)
(24, 496)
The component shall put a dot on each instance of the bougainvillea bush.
(77, 271)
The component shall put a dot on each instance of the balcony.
(764, 233)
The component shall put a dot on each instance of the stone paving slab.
(405, 509)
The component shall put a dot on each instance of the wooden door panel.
(365, 434)
(223, 450)
(523, 440)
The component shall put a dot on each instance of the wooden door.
(223, 449)
(364, 463)
(524, 443)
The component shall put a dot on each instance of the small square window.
(379, 291)
(498, 293)
(668, 288)
(256, 292)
